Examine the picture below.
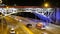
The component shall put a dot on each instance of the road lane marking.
(25, 28)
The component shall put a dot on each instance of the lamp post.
(7, 8)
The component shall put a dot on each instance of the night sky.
(31, 2)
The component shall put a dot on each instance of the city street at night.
(29, 17)
(20, 27)
(28, 23)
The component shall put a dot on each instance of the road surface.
(20, 27)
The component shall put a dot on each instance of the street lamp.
(7, 7)
(0, 1)
(46, 4)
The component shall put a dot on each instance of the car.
(43, 28)
(29, 25)
(12, 31)
(40, 26)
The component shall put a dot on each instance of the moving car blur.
(12, 31)
(40, 26)
(29, 25)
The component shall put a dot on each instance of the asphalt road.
(20, 27)
(51, 28)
